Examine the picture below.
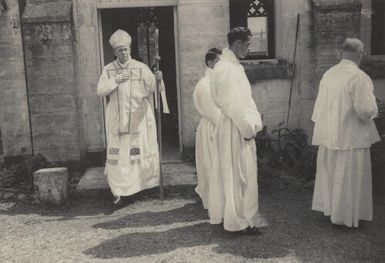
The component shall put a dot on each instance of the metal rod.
(159, 115)
(293, 71)
(159, 130)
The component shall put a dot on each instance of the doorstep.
(94, 184)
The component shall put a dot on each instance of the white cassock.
(240, 119)
(344, 130)
(206, 151)
(132, 148)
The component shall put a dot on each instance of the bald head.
(353, 45)
(353, 49)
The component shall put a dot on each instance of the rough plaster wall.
(202, 25)
(14, 119)
(91, 107)
(52, 85)
(366, 23)
(272, 96)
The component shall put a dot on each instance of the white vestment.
(132, 147)
(344, 131)
(206, 151)
(240, 119)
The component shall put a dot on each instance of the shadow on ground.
(88, 208)
(291, 229)
(188, 213)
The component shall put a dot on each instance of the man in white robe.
(238, 125)
(344, 131)
(206, 151)
(132, 148)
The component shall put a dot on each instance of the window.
(258, 16)
(378, 27)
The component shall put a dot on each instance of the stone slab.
(51, 185)
(94, 183)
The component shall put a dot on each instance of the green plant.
(283, 146)
(22, 170)
(285, 151)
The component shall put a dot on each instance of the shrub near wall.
(285, 159)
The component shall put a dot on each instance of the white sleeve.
(204, 103)
(105, 84)
(235, 103)
(149, 79)
(364, 101)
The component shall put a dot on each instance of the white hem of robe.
(204, 155)
(343, 185)
(239, 175)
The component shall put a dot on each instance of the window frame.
(238, 17)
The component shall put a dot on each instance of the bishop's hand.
(158, 75)
(122, 77)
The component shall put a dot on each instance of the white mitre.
(120, 38)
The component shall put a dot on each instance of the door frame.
(145, 3)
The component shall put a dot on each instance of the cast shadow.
(201, 234)
(190, 212)
(290, 230)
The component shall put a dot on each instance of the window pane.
(258, 28)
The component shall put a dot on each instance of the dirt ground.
(177, 230)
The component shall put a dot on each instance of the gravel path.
(177, 230)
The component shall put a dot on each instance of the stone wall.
(14, 118)
(89, 65)
(334, 22)
(202, 25)
(63, 67)
(52, 86)
(272, 95)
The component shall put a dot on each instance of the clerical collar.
(348, 61)
(229, 55)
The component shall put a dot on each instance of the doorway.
(129, 19)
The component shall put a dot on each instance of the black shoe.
(251, 231)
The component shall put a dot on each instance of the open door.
(134, 21)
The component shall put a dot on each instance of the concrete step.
(94, 183)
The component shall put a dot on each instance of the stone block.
(51, 185)
(52, 11)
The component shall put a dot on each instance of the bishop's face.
(122, 53)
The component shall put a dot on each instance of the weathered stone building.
(52, 53)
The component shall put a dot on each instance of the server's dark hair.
(212, 54)
(238, 33)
